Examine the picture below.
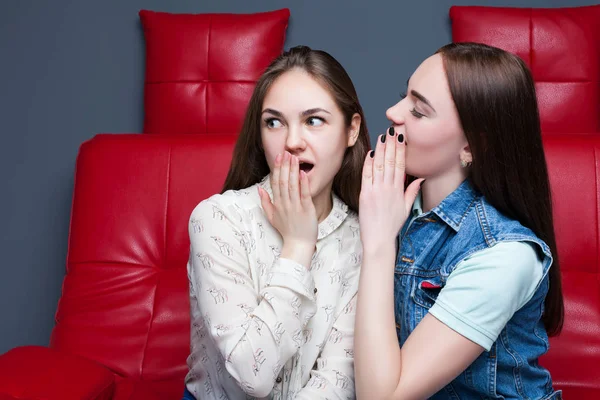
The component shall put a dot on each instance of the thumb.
(411, 193)
(266, 204)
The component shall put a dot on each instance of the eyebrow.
(422, 98)
(274, 112)
(303, 113)
(314, 111)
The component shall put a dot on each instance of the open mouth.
(305, 166)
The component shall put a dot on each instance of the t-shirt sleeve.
(487, 288)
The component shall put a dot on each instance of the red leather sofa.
(122, 323)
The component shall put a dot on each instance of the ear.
(465, 154)
(354, 129)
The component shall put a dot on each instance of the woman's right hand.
(292, 211)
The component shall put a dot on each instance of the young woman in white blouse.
(274, 260)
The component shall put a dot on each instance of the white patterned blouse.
(264, 326)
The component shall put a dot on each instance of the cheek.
(431, 148)
(271, 146)
(333, 150)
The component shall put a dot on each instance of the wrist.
(382, 253)
(380, 249)
(298, 251)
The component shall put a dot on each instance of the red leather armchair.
(562, 48)
(122, 324)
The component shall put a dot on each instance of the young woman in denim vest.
(460, 284)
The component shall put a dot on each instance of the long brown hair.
(249, 164)
(494, 94)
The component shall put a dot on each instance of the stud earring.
(465, 164)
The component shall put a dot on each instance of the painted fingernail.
(382, 138)
(401, 138)
(391, 131)
(371, 154)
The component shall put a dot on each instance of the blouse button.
(278, 380)
(315, 291)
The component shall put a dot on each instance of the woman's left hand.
(384, 205)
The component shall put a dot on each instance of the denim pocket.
(425, 293)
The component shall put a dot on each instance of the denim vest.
(431, 245)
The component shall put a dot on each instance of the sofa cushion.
(574, 171)
(201, 69)
(560, 45)
(125, 297)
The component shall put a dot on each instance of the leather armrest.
(36, 372)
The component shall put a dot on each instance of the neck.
(437, 188)
(323, 203)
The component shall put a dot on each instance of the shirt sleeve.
(333, 377)
(487, 288)
(256, 332)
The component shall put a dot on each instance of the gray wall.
(73, 68)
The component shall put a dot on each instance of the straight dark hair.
(249, 164)
(494, 94)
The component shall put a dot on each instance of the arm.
(334, 376)
(253, 330)
(480, 297)
(431, 357)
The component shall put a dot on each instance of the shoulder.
(232, 205)
(497, 222)
(490, 225)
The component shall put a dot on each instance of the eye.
(416, 113)
(315, 121)
(273, 123)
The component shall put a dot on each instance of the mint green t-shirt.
(486, 289)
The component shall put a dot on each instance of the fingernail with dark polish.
(401, 138)
(382, 138)
(391, 131)
(371, 154)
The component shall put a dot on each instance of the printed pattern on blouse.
(263, 326)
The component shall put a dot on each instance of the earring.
(465, 164)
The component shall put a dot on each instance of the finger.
(400, 163)
(306, 197)
(378, 160)
(267, 206)
(275, 179)
(411, 193)
(294, 180)
(367, 173)
(284, 179)
(389, 157)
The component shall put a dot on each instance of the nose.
(395, 114)
(294, 141)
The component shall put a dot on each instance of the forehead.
(430, 80)
(296, 89)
